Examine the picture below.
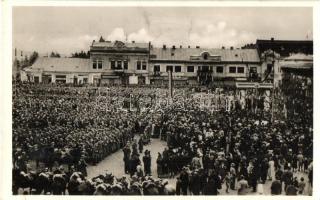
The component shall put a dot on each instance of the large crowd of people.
(227, 138)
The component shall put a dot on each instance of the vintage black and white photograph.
(151, 100)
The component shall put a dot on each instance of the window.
(119, 64)
(177, 68)
(240, 70)
(94, 64)
(205, 56)
(125, 64)
(100, 64)
(138, 65)
(97, 64)
(253, 69)
(219, 69)
(156, 68)
(190, 69)
(169, 68)
(113, 64)
(232, 69)
(144, 65)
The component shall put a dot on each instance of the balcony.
(117, 69)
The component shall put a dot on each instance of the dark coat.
(276, 187)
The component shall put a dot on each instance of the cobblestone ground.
(115, 164)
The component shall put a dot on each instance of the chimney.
(223, 47)
(272, 39)
(173, 47)
(164, 46)
(180, 46)
(133, 41)
(93, 42)
(189, 47)
(231, 48)
(197, 47)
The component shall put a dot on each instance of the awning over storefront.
(166, 78)
(248, 85)
(297, 65)
(224, 83)
(109, 77)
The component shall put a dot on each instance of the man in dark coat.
(126, 158)
(276, 187)
(184, 177)
(178, 186)
(287, 178)
(82, 166)
(195, 183)
(213, 184)
(147, 162)
(140, 144)
(134, 162)
(291, 190)
(264, 170)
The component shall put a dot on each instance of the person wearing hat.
(159, 165)
(147, 162)
(140, 143)
(184, 177)
(287, 177)
(233, 175)
(126, 158)
(195, 182)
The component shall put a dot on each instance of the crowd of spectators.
(239, 144)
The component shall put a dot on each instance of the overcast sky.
(70, 29)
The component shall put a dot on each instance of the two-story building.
(119, 63)
(202, 66)
(140, 63)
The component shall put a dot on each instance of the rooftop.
(60, 64)
(96, 45)
(185, 54)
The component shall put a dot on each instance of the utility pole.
(273, 88)
(170, 84)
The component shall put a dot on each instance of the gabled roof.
(184, 54)
(60, 64)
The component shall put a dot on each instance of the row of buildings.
(141, 63)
